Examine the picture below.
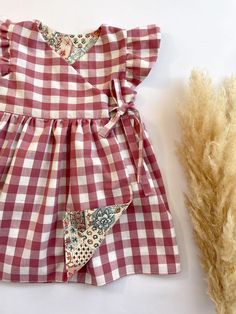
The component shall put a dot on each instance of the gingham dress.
(81, 194)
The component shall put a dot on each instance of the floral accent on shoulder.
(85, 230)
(69, 46)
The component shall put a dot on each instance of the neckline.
(102, 32)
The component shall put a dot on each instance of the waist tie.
(136, 148)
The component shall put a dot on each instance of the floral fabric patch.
(84, 231)
(69, 46)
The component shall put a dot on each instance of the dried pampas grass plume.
(207, 152)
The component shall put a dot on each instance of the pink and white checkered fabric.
(71, 139)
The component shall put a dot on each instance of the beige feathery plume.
(207, 151)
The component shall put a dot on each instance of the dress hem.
(137, 272)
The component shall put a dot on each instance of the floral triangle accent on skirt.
(85, 230)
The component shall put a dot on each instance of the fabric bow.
(136, 149)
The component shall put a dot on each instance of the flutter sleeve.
(5, 66)
(143, 43)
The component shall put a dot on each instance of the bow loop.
(118, 93)
(121, 107)
(136, 148)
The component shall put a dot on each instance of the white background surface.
(194, 34)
